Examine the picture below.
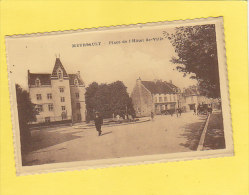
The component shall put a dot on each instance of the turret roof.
(45, 78)
(57, 65)
(72, 77)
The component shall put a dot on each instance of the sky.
(105, 62)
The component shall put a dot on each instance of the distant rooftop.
(160, 87)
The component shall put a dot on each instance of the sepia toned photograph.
(132, 94)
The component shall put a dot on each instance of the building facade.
(155, 96)
(58, 96)
(192, 98)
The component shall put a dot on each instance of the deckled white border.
(148, 159)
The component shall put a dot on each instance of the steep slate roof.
(159, 87)
(57, 65)
(171, 85)
(72, 77)
(44, 78)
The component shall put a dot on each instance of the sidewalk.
(110, 123)
(214, 138)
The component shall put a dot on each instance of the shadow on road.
(106, 133)
(36, 162)
(193, 133)
(43, 139)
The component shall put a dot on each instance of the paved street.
(165, 134)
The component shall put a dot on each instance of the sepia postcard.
(122, 95)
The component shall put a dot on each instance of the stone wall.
(142, 100)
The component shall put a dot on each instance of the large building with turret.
(58, 96)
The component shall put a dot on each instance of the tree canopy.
(26, 113)
(26, 109)
(108, 99)
(196, 51)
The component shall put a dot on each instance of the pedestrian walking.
(199, 109)
(171, 112)
(118, 117)
(210, 110)
(98, 120)
(130, 117)
(152, 116)
(180, 111)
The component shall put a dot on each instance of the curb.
(111, 125)
(203, 135)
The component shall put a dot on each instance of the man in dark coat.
(98, 120)
(180, 111)
(152, 116)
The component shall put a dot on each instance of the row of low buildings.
(60, 96)
(154, 96)
(160, 96)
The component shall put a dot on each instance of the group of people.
(123, 117)
(178, 112)
(98, 120)
(203, 109)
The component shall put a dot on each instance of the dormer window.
(37, 82)
(59, 74)
(76, 83)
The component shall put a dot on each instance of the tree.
(90, 100)
(120, 102)
(26, 114)
(196, 51)
(108, 99)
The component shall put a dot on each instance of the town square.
(80, 142)
(152, 93)
(157, 118)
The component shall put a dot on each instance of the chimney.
(139, 80)
(56, 56)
